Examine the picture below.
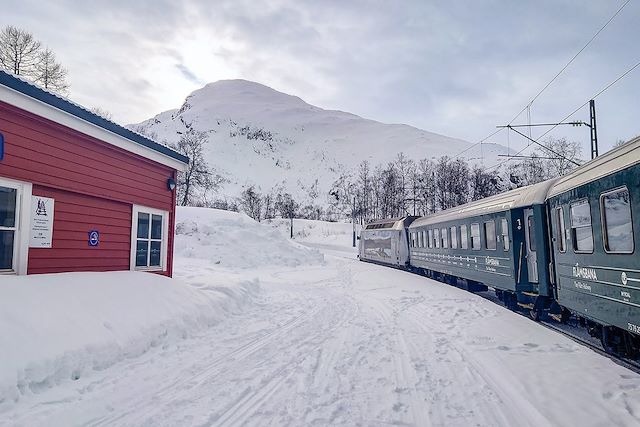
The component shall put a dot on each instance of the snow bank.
(59, 327)
(314, 231)
(234, 241)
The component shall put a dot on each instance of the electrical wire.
(623, 75)
(528, 106)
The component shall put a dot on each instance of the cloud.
(457, 68)
(189, 75)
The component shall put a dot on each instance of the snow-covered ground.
(337, 342)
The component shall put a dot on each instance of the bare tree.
(198, 174)
(107, 115)
(251, 203)
(568, 152)
(49, 73)
(19, 51)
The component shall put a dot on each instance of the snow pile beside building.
(234, 241)
(59, 327)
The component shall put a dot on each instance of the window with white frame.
(149, 239)
(15, 200)
(8, 227)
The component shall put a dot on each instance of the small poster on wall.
(41, 222)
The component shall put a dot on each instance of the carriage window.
(445, 238)
(490, 235)
(464, 238)
(421, 239)
(581, 232)
(504, 228)
(532, 237)
(561, 233)
(430, 235)
(475, 236)
(424, 239)
(436, 238)
(454, 237)
(616, 220)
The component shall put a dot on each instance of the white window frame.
(23, 225)
(134, 237)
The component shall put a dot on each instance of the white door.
(532, 257)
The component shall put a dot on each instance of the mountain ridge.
(266, 138)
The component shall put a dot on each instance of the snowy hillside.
(260, 136)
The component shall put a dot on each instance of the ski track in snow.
(352, 344)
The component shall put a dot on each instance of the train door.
(530, 238)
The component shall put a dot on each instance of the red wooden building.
(79, 192)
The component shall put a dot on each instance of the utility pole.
(353, 220)
(594, 133)
(291, 219)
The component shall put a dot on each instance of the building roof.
(520, 197)
(612, 161)
(50, 99)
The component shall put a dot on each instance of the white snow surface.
(335, 342)
(259, 136)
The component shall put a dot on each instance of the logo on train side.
(584, 273)
(492, 261)
(624, 278)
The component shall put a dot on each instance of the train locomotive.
(558, 248)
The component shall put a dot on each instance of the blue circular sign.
(94, 238)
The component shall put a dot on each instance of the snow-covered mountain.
(263, 137)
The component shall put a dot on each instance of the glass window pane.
(445, 238)
(454, 237)
(156, 227)
(143, 225)
(6, 250)
(584, 239)
(561, 234)
(142, 252)
(436, 238)
(617, 220)
(532, 234)
(490, 234)
(154, 255)
(430, 238)
(475, 236)
(7, 207)
(504, 227)
(464, 242)
(580, 214)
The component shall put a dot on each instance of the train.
(558, 249)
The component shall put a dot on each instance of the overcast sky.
(454, 67)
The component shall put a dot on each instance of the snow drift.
(57, 328)
(234, 241)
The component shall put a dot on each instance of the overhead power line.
(528, 106)
(623, 75)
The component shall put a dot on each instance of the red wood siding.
(74, 216)
(94, 185)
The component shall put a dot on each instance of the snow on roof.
(525, 196)
(619, 158)
(55, 100)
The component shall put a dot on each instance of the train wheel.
(535, 315)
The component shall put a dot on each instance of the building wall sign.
(94, 238)
(41, 222)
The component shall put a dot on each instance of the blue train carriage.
(594, 215)
(500, 241)
(386, 241)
